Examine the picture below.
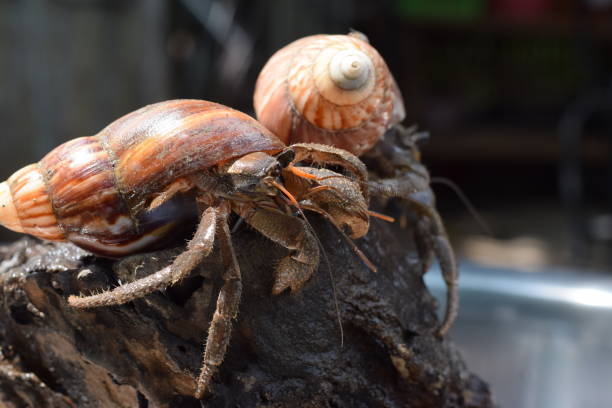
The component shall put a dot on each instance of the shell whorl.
(25, 205)
(330, 89)
(350, 69)
(9, 217)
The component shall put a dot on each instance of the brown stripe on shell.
(83, 193)
(355, 123)
(303, 76)
(356, 140)
(158, 228)
(92, 189)
(194, 137)
(91, 211)
(120, 136)
(32, 203)
(123, 247)
(271, 100)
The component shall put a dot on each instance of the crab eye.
(285, 157)
(276, 171)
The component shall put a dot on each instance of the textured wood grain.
(285, 350)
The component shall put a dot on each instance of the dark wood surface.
(285, 350)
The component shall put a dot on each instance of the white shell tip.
(8, 212)
(350, 69)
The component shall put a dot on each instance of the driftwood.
(285, 350)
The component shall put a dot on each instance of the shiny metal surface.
(541, 339)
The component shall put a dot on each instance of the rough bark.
(285, 350)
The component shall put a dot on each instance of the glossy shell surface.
(94, 191)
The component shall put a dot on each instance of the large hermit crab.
(128, 188)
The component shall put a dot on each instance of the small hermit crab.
(124, 191)
(338, 90)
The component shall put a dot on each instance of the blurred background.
(517, 96)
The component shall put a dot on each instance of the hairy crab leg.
(198, 248)
(295, 269)
(228, 301)
(403, 189)
(448, 266)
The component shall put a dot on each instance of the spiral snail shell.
(330, 89)
(94, 191)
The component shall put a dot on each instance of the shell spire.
(330, 89)
(25, 205)
(8, 213)
(350, 69)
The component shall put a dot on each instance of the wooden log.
(285, 350)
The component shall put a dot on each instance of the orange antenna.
(381, 216)
(331, 276)
(286, 193)
(301, 173)
(354, 247)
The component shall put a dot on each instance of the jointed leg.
(448, 266)
(178, 186)
(432, 237)
(227, 308)
(198, 248)
(294, 234)
(430, 233)
(424, 243)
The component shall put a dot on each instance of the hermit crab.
(337, 90)
(128, 188)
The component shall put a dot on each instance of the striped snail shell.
(330, 89)
(94, 191)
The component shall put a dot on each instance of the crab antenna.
(466, 201)
(286, 193)
(380, 216)
(352, 244)
(292, 199)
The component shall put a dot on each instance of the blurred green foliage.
(441, 10)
